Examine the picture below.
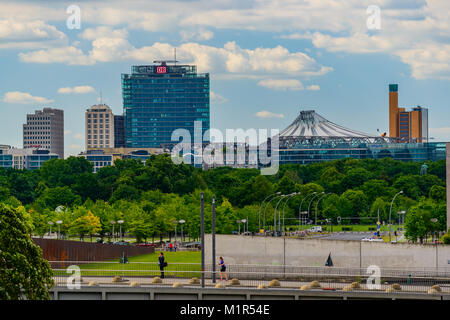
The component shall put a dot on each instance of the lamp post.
(175, 222)
(50, 223)
(400, 218)
(289, 197)
(300, 207)
(239, 224)
(275, 215)
(304, 213)
(181, 223)
(317, 204)
(59, 230)
(390, 211)
(259, 226)
(264, 220)
(312, 199)
(120, 225)
(244, 221)
(113, 223)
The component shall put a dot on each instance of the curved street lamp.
(390, 211)
(284, 207)
(300, 208)
(312, 199)
(275, 215)
(265, 209)
(261, 207)
(317, 204)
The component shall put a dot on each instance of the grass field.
(180, 264)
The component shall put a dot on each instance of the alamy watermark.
(373, 21)
(74, 19)
(248, 148)
(74, 280)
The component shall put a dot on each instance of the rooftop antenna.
(101, 99)
(175, 55)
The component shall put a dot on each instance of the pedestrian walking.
(223, 269)
(170, 247)
(162, 264)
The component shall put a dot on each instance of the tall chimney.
(393, 111)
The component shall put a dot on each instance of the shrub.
(314, 284)
(274, 283)
(446, 238)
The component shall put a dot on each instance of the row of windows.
(101, 121)
(100, 115)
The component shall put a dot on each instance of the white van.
(316, 229)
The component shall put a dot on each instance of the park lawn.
(180, 264)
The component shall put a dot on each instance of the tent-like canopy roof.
(311, 124)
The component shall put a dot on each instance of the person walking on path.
(162, 264)
(223, 269)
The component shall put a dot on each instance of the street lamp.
(400, 218)
(58, 223)
(275, 215)
(390, 211)
(261, 207)
(50, 223)
(239, 223)
(300, 207)
(120, 224)
(113, 223)
(312, 199)
(267, 205)
(181, 223)
(287, 200)
(176, 222)
(317, 204)
(244, 221)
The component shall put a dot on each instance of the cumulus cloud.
(24, 98)
(286, 84)
(15, 34)
(77, 89)
(281, 84)
(196, 35)
(217, 98)
(268, 114)
(230, 59)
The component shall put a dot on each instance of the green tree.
(24, 274)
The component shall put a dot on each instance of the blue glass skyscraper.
(160, 98)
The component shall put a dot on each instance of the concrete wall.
(314, 252)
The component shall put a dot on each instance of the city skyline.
(267, 60)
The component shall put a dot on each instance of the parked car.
(123, 243)
(315, 229)
(147, 245)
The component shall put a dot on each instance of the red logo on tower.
(160, 69)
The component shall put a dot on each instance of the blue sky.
(267, 59)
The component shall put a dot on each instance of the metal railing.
(251, 276)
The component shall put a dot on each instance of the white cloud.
(103, 32)
(75, 146)
(67, 132)
(196, 35)
(15, 34)
(268, 114)
(229, 60)
(78, 136)
(24, 98)
(217, 98)
(313, 87)
(68, 55)
(77, 89)
(281, 84)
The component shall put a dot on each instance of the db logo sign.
(160, 69)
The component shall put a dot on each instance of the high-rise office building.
(99, 124)
(45, 130)
(119, 132)
(407, 126)
(160, 98)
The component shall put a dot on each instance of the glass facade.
(305, 154)
(119, 132)
(159, 99)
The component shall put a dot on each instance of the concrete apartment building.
(99, 124)
(45, 130)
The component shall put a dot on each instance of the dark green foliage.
(23, 271)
